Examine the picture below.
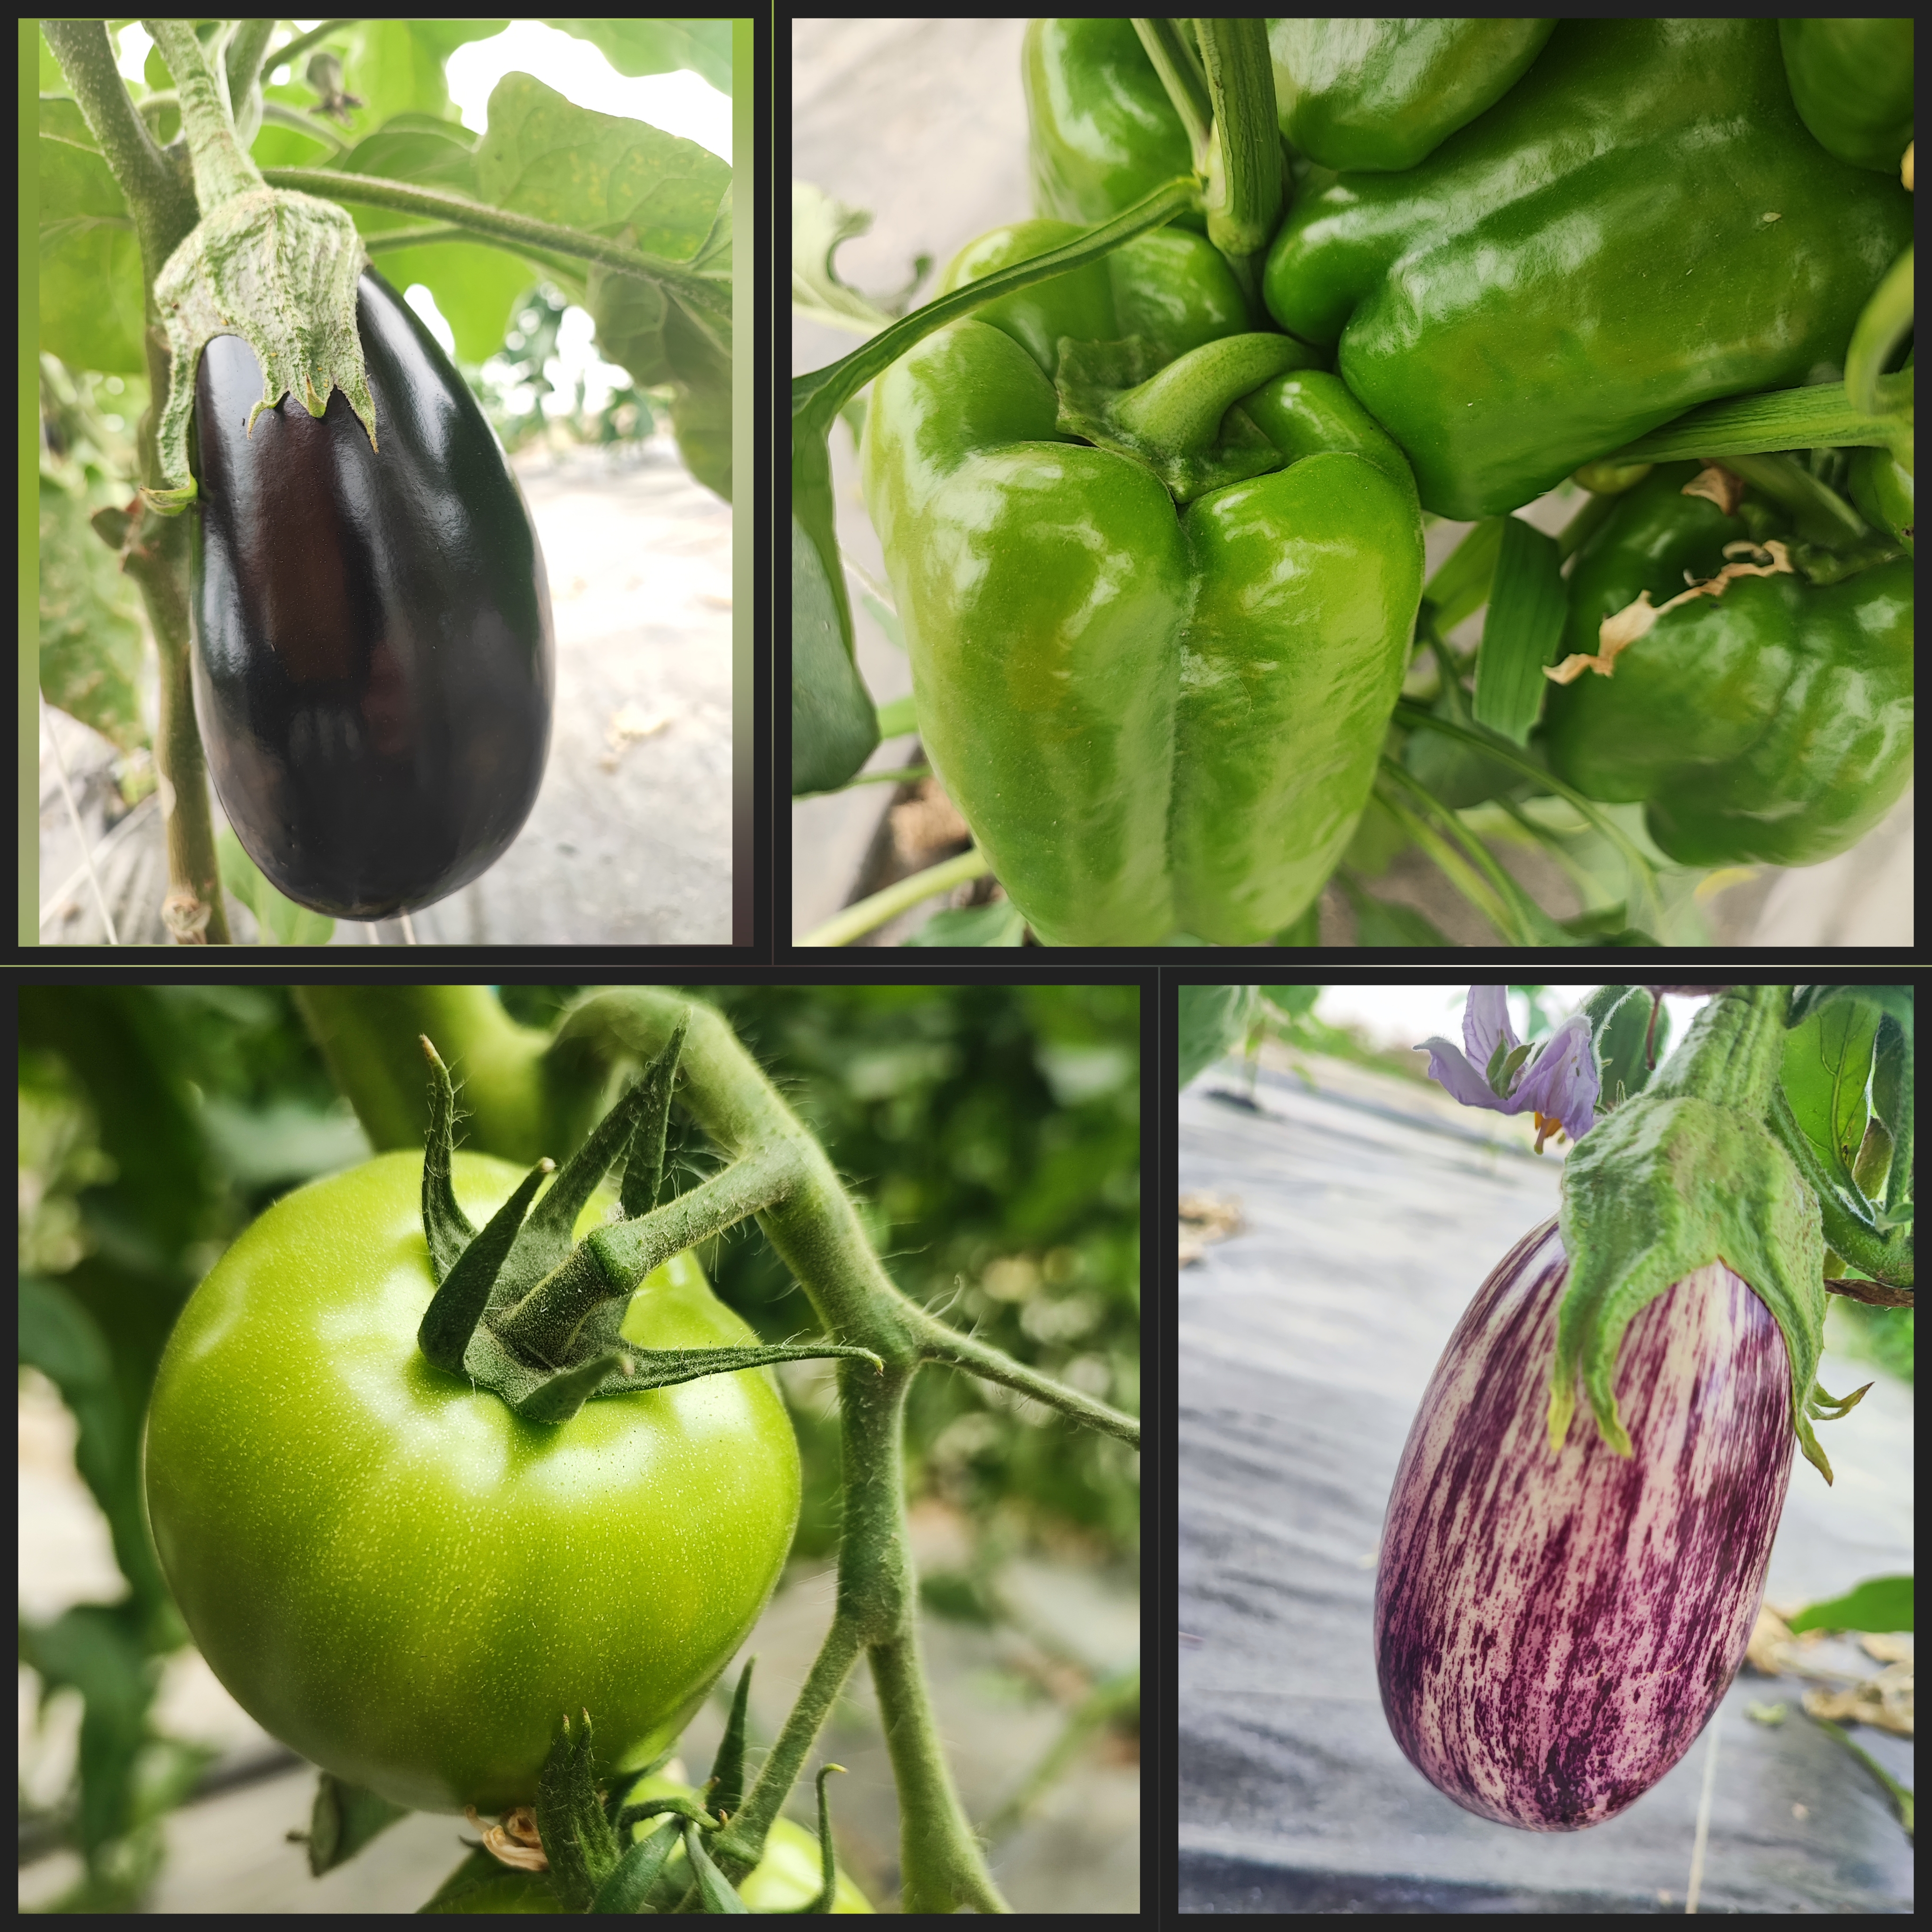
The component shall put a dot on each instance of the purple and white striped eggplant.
(1552, 1631)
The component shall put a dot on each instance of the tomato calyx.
(521, 1310)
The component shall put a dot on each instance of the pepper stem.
(1181, 408)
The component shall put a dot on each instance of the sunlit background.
(680, 104)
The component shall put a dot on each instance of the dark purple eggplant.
(373, 660)
(1552, 1631)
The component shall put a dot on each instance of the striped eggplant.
(1552, 1630)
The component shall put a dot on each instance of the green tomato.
(396, 1576)
(787, 1878)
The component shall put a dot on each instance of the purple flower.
(1557, 1081)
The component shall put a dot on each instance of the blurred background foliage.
(990, 1135)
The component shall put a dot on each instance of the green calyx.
(1179, 420)
(522, 1311)
(277, 269)
(280, 271)
(1684, 1174)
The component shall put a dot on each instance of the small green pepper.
(1772, 723)
(1384, 95)
(1851, 81)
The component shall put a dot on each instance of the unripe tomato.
(397, 1577)
(788, 1877)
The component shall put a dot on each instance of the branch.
(1873, 1293)
(939, 1343)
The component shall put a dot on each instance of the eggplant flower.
(1556, 1081)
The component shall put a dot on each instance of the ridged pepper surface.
(1362, 93)
(1159, 706)
(1103, 134)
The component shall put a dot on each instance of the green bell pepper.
(1103, 134)
(1384, 95)
(1881, 484)
(1351, 94)
(1158, 704)
(1640, 224)
(1772, 723)
(1851, 81)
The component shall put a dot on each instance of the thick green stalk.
(816, 1231)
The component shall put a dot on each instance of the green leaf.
(1521, 632)
(1827, 1063)
(700, 419)
(1461, 584)
(1306, 931)
(1896, 1000)
(819, 226)
(1379, 923)
(545, 156)
(90, 289)
(282, 921)
(345, 1817)
(1879, 1604)
(1816, 416)
(90, 631)
(481, 1884)
(1212, 1018)
(1295, 1001)
(655, 192)
(834, 726)
(999, 924)
(1620, 1028)
(702, 47)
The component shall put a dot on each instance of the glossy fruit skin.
(1851, 82)
(395, 1576)
(1881, 486)
(1102, 133)
(1552, 1632)
(1384, 95)
(1772, 725)
(1588, 259)
(373, 662)
(1156, 717)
